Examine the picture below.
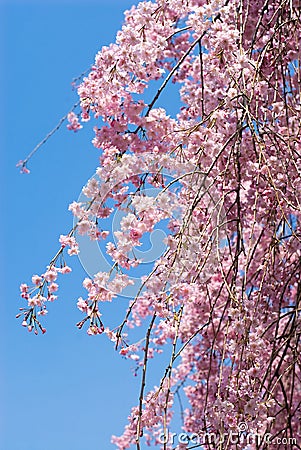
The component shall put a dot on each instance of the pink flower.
(74, 250)
(135, 234)
(37, 280)
(50, 275)
(73, 122)
(111, 335)
(65, 269)
(37, 300)
(53, 287)
(88, 284)
(24, 288)
(69, 241)
(65, 241)
(76, 210)
(82, 305)
(124, 351)
(93, 330)
(104, 212)
(84, 226)
(226, 168)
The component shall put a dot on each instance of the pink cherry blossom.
(50, 275)
(82, 305)
(65, 269)
(135, 234)
(37, 280)
(219, 171)
(73, 122)
(53, 287)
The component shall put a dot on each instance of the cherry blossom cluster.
(223, 300)
(73, 122)
(37, 295)
(44, 287)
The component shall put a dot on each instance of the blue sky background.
(64, 390)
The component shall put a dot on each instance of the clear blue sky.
(64, 390)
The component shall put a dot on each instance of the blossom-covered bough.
(223, 300)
